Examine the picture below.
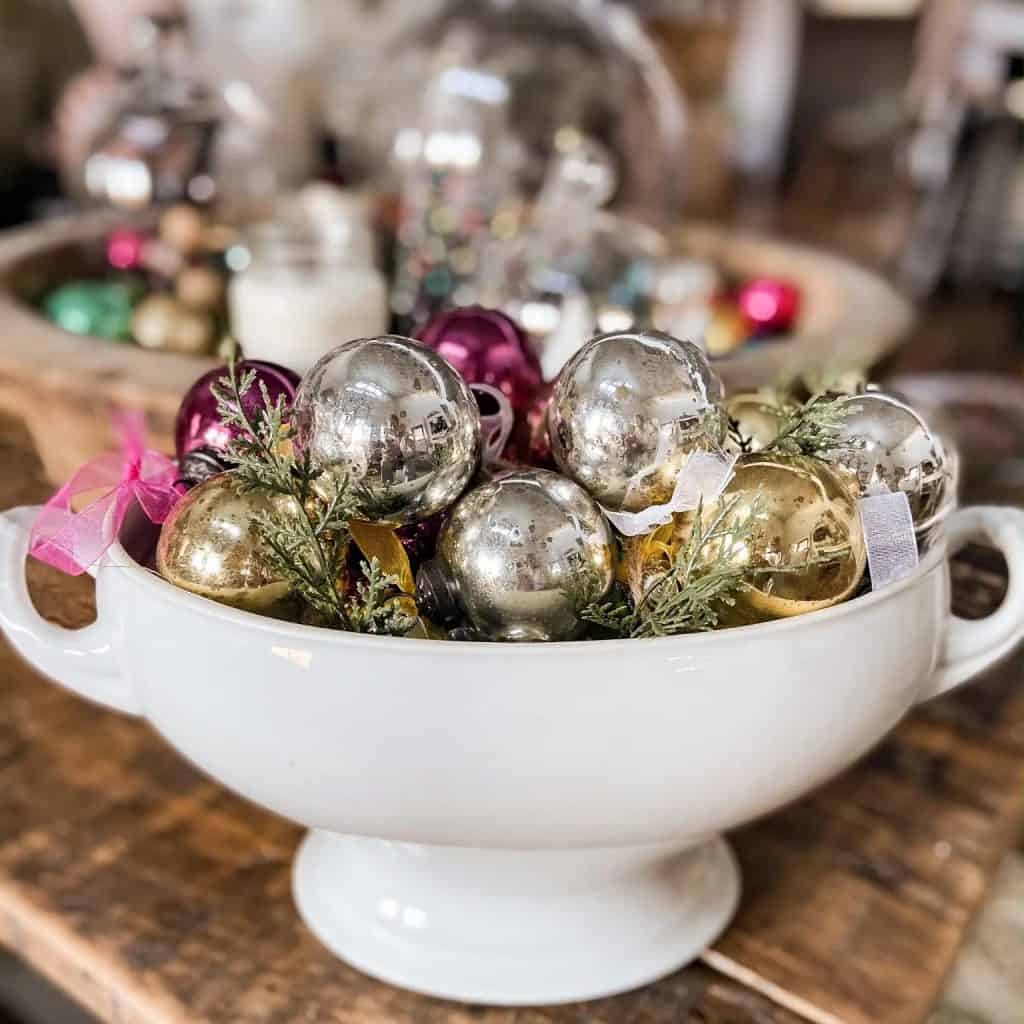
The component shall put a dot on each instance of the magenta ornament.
(199, 426)
(769, 305)
(124, 249)
(487, 347)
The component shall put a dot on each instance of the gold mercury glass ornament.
(758, 419)
(210, 546)
(805, 549)
(162, 322)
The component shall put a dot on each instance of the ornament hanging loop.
(496, 421)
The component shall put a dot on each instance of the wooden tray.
(65, 386)
(850, 317)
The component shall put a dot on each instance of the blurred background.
(820, 190)
(809, 187)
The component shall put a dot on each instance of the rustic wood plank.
(987, 983)
(152, 895)
(857, 898)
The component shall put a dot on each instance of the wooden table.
(152, 895)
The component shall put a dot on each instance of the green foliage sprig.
(706, 575)
(306, 535)
(817, 428)
(690, 596)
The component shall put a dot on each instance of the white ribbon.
(496, 428)
(889, 537)
(703, 478)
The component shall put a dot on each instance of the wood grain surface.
(155, 897)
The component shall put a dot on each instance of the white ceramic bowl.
(517, 823)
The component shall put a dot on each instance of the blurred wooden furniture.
(155, 897)
(65, 386)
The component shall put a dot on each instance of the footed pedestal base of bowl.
(510, 927)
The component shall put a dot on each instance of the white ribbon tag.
(496, 426)
(703, 478)
(889, 537)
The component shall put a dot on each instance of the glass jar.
(307, 282)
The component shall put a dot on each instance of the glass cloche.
(503, 127)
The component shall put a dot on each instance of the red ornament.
(769, 305)
(124, 249)
(199, 426)
(487, 347)
(529, 444)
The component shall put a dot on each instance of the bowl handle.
(80, 659)
(974, 645)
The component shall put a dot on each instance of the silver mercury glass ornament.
(896, 450)
(519, 558)
(395, 421)
(627, 412)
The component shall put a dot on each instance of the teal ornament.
(99, 308)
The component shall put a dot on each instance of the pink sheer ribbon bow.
(75, 541)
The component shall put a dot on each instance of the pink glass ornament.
(529, 444)
(770, 305)
(124, 249)
(74, 541)
(199, 426)
(487, 347)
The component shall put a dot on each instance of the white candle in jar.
(307, 288)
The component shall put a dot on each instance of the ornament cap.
(436, 595)
(200, 464)
(464, 634)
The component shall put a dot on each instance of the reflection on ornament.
(893, 449)
(806, 550)
(395, 422)
(210, 546)
(628, 410)
(198, 424)
(520, 557)
(757, 420)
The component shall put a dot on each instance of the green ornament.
(99, 308)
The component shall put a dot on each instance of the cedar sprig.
(816, 428)
(689, 596)
(376, 609)
(703, 579)
(307, 536)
